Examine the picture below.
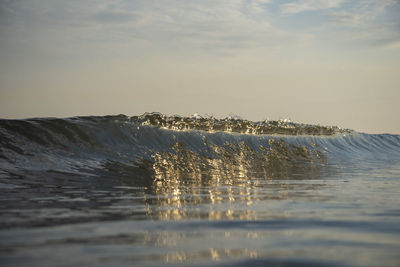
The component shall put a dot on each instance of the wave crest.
(236, 125)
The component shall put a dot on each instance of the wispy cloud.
(224, 25)
(257, 6)
(388, 43)
(369, 22)
(309, 5)
(205, 24)
(361, 12)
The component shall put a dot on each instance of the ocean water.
(156, 190)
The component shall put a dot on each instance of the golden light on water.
(184, 179)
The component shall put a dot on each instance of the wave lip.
(229, 124)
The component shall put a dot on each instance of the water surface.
(156, 190)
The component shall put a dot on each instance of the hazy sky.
(334, 62)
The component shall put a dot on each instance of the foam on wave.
(235, 124)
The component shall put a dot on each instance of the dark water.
(155, 190)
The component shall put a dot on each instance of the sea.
(161, 190)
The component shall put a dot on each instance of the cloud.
(224, 26)
(203, 24)
(114, 16)
(388, 43)
(368, 22)
(257, 6)
(309, 5)
(361, 12)
(392, 45)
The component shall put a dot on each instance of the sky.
(330, 62)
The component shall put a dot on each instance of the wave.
(155, 148)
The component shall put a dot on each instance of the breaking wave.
(155, 148)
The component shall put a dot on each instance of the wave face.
(153, 190)
(171, 146)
